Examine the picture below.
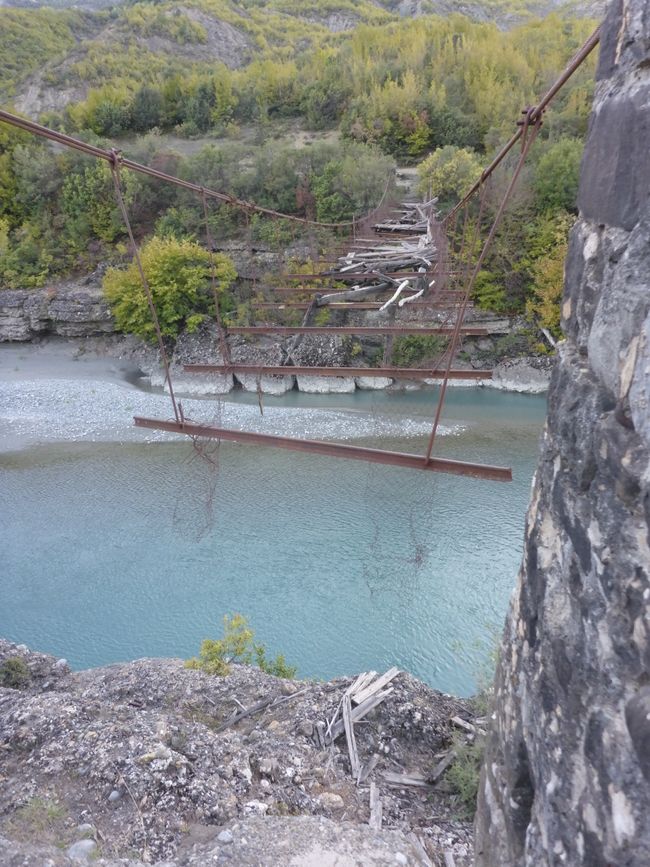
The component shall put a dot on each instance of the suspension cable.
(115, 171)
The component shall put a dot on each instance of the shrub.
(178, 273)
(237, 645)
(409, 351)
(464, 774)
(14, 673)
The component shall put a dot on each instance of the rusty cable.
(223, 343)
(115, 171)
(528, 142)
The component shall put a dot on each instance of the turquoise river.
(113, 550)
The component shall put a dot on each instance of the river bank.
(142, 761)
(77, 312)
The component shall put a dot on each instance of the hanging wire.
(115, 171)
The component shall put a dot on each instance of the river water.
(113, 550)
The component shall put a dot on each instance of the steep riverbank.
(138, 763)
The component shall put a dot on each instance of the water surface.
(113, 551)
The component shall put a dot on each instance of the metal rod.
(293, 370)
(334, 450)
(351, 329)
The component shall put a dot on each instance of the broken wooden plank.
(360, 711)
(349, 735)
(360, 695)
(361, 683)
(376, 808)
(368, 768)
(414, 780)
(442, 766)
(460, 723)
(449, 858)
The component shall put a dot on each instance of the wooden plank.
(362, 694)
(361, 711)
(442, 766)
(349, 735)
(368, 768)
(413, 780)
(376, 808)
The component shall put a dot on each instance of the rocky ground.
(132, 764)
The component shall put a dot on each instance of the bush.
(178, 273)
(413, 349)
(464, 775)
(237, 645)
(14, 673)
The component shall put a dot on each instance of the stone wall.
(567, 772)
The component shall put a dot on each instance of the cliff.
(567, 773)
(142, 762)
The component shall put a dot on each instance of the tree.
(147, 109)
(449, 173)
(178, 273)
(557, 174)
(548, 274)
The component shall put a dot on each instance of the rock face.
(70, 311)
(567, 773)
(133, 757)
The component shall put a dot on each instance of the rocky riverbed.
(132, 764)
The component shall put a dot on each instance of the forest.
(438, 93)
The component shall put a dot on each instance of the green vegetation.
(444, 92)
(237, 645)
(14, 673)
(464, 774)
(414, 350)
(178, 275)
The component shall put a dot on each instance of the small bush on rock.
(15, 673)
(237, 645)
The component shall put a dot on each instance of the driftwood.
(442, 766)
(376, 808)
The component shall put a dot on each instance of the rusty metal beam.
(333, 450)
(289, 370)
(359, 275)
(353, 305)
(319, 290)
(351, 329)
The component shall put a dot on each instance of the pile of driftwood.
(413, 217)
(400, 266)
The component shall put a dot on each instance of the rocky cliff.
(144, 762)
(567, 775)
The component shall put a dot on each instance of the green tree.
(178, 275)
(556, 176)
(147, 109)
(449, 173)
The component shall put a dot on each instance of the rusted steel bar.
(333, 450)
(291, 370)
(353, 329)
(351, 305)
(323, 290)
(355, 275)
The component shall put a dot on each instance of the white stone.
(372, 383)
(82, 850)
(267, 384)
(326, 384)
